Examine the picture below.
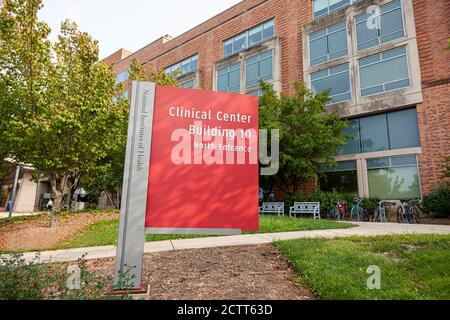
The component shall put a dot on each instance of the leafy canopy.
(310, 135)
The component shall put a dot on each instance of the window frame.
(350, 3)
(331, 102)
(390, 148)
(258, 61)
(238, 66)
(327, 35)
(246, 35)
(379, 36)
(391, 165)
(380, 54)
(179, 64)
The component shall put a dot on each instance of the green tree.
(108, 180)
(161, 78)
(136, 71)
(309, 134)
(63, 119)
(25, 64)
(83, 125)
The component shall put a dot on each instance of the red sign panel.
(204, 161)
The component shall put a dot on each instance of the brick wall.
(433, 30)
(432, 27)
(207, 39)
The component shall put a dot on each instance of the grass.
(18, 219)
(412, 266)
(105, 232)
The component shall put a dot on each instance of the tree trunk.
(57, 201)
(59, 189)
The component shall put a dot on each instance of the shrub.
(21, 280)
(437, 202)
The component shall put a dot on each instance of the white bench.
(305, 207)
(272, 207)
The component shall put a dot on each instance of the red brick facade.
(433, 31)
(432, 21)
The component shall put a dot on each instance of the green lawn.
(105, 232)
(412, 266)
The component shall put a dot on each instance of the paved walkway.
(363, 229)
(5, 215)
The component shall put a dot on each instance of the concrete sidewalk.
(363, 229)
(5, 215)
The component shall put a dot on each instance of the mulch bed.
(232, 273)
(35, 234)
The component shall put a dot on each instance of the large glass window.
(121, 77)
(328, 44)
(353, 144)
(372, 31)
(336, 79)
(384, 71)
(186, 66)
(229, 78)
(242, 41)
(394, 178)
(343, 178)
(259, 67)
(374, 133)
(324, 7)
(387, 131)
(403, 129)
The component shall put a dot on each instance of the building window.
(251, 37)
(387, 131)
(328, 44)
(343, 178)
(393, 178)
(325, 7)
(336, 79)
(353, 144)
(188, 84)
(259, 67)
(384, 72)
(229, 78)
(121, 77)
(403, 127)
(186, 66)
(388, 26)
(257, 93)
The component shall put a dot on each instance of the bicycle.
(358, 213)
(407, 212)
(339, 212)
(380, 213)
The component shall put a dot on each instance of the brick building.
(389, 75)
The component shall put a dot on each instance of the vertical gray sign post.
(128, 271)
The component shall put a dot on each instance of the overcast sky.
(130, 24)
